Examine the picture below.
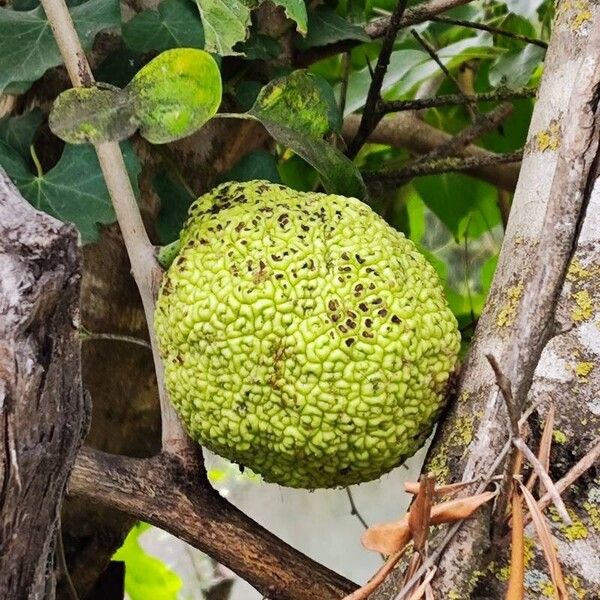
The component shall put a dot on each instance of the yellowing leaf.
(175, 94)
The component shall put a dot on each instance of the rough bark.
(42, 408)
(534, 309)
(160, 491)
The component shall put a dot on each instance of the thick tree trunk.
(559, 173)
(42, 408)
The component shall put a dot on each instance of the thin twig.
(344, 84)
(484, 123)
(62, 562)
(514, 413)
(146, 270)
(378, 27)
(353, 510)
(491, 29)
(575, 472)
(433, 55)
(545, 479)
(370, 117)
(115, 337)
(455, 99)
(436, 554)
(506, 388)
(443, 165)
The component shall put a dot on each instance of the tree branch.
(43, 412)
(405, 130)
(378, 27)
(440, 165)
(455, 100)
(370, 116)
(161, 492)
(146, 270)
(491, 29)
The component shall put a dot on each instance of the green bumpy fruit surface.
(302, 336)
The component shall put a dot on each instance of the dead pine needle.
(516, 583)
(545, 538)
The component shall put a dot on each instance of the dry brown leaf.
(420, 512)
(543, 532)
(412, 487)
(388, 538)
(544, 451)
(516, 583)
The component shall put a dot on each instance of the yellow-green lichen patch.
(575, 584)
(507, 313)
(559, 436)
(576, 531)
(549, 138)
(459, 438)
(582, 369)
(583, 308)
(577, 271)
(302, 336)
(575, 13)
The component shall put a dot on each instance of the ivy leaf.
(146, 576)
(259, 47)
(325, 27)
(515, 68)
(296, 11)
(93, 115)
(226, 22)
(74, 190)
(18, 132)
(293, 112)
(27, 46)
(175, 24)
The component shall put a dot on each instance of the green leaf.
(226, 21)
(258, 164)
(325, 27)
(175, 94)
(146, 576)
(296, 11)
(225, 24)
(486, 273)
(27, 46)
(515, 68)
(295, 100)
(259, 47)
(175, 24)
(339, 175)
(18, 132)
(465, 205)
(409, 68)
(74, 190)
(92, 115)
(294, 113)
(175, 201)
